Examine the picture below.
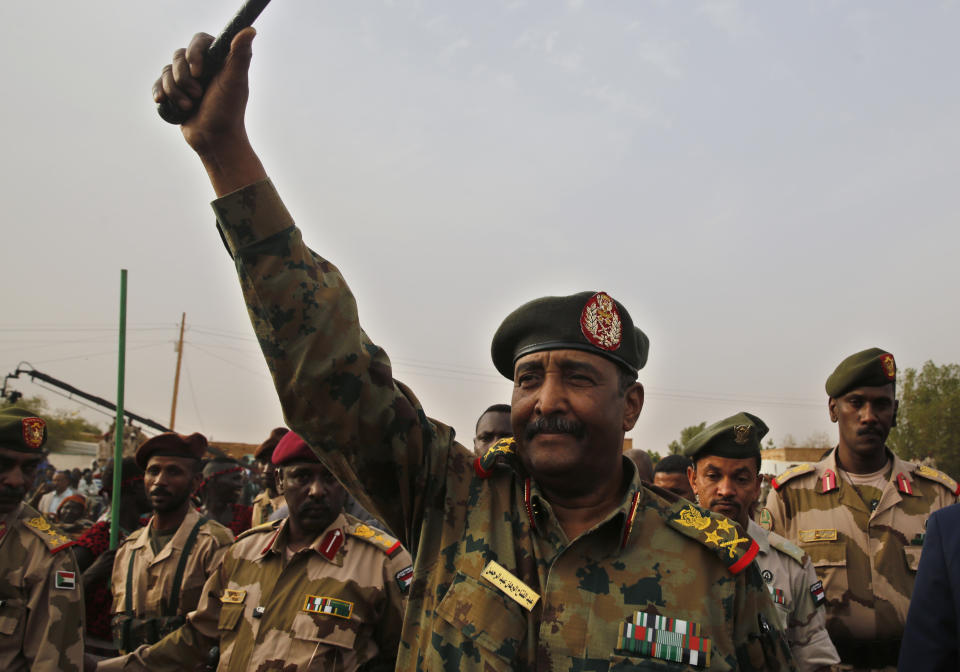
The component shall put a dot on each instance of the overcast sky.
(768, 187)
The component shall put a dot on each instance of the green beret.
(171, 444)
(737, 437)
(868, 368)
(22, 431)
(589, 321)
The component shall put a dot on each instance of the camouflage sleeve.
(807, 627)
(53, 634)
(777, 513)
(336, 387)
(759, 641)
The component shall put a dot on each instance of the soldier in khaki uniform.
(318, 590)
(861, 513)
(726, 478)
(560, 559)
(268, 500)
(160, 569)
(41, 602)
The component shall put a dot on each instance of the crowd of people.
(377, 541)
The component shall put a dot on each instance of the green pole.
(118, 424)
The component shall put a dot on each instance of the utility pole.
(176, 377)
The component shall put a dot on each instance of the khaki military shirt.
(152, 575)
(497, 585)
(797, 593)
(41, 599)
(264, 506)
(335, 605)
(866, 560)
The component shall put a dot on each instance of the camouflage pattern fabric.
(153, 575)
(795, 588)
(496, 583)
(866, 560)
(41, 599)
(335, 605)
(263, 507)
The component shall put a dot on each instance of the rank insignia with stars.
(735, 549)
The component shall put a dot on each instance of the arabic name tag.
(233, 596)
(507, 583)
(807, 536)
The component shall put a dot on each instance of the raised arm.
(216, 132)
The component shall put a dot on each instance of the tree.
(687, 433)
(928, 420)
(62, 425)
(654, 456)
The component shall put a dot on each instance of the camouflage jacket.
(496, 585)
(152, 576)
(798, 595)
(866, 560)
(335, 605)
(41, 599)
(263, 507)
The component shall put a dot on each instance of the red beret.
(264, 449)
(171, 444)
(292, 448)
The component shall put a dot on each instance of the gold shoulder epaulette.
(371, 535)
(734, 548)
(786, 547)
(938, 476)
(54, 539)
(792, 472)
(484, 464)
(269, 526)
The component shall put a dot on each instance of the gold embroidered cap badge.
(33, 431)
(600, 322)
(889, 366)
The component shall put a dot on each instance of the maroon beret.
(171, 444)
(264, 449)
(292, 448)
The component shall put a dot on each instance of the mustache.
(725, 502)
(553, 425)
(870, 430)
(159, 490)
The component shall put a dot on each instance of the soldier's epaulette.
(269, 526)
(55, 540)
(371, 535)
(786, 547)
(484, 464)
(734, 548)
(938, 476)
(792, 472)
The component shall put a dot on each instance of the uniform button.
(258, 612)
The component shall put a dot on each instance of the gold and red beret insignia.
(600, 322)
(33, 432)
(22, 431)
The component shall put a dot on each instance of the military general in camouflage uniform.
(861, 514)
(160, 569)
(557, 560)
(726, 478)
(41, 602)
(317, 591)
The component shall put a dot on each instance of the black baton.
(214, 59)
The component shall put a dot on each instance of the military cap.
(872, 367)
(589, 321)
(737, 437)
(292, 448)
(264, 449)
(22, 431)
(171, 444)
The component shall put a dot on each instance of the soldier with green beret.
(559, 559)
(726, 479)
(41, 603)
(861, 513)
